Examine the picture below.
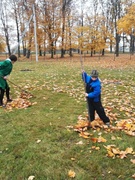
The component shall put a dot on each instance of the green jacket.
(5, 69)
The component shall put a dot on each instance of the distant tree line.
(88, 25)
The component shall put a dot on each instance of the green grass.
(59, 92)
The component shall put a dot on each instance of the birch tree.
(5, 19)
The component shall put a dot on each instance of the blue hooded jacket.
(93, 87)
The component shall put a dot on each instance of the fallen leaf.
(95, 147)
(115, 151)
(31, 177)
(110, 154)
(80, 142)
(133, 176)
(129, 150)
(38, 141)
(82, 134)
(113, 138)
(71, 173)
(81, 124)
(94, 140)
(133, 161)
(101, 139)
(96, 123)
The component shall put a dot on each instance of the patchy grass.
(37, 142)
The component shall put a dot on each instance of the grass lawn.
(37, 142)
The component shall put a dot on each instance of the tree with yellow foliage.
(2, 44)
(94, 37)
(127, 25)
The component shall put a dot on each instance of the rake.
(20, 88)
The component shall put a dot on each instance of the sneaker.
(2, 105)
(107, 124)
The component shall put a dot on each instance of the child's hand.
(86, 94)
(5, 77)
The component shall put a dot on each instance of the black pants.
(7, 92)
(1, 96)
(96, 106)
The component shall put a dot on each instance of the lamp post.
(35, 32)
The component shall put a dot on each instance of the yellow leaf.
(71, 174)
(101, 139)
(80, 142)
(38, 141)
(110, 154)
(128, 126)
(115, 150)
(129, 150)
(97, 148)
(113, 138)
(130, 133)
(81, 124)
(31, 177)
(133, 161)
(86, 133)
(96, 123)
(82, 134)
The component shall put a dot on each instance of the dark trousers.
(1, 96)
(7, 92)
(96, 106)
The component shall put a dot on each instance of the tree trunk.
(70, 52)
(62, 53)
(28, 54)
(40, 51)
(17, 29)
(91, 54)
(117, 44)
(7, 41)
(103, 52)
(52, 53)
(132, 44)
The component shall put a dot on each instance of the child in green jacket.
(5, 69)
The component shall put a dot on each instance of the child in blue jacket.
(93, 95)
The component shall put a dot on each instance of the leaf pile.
(20, 102)
(127, 126)
(113, 152)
